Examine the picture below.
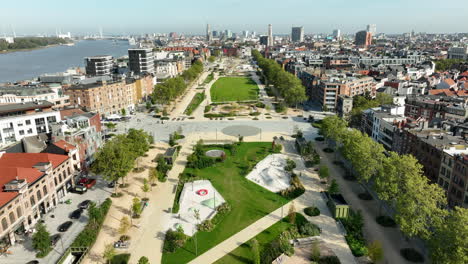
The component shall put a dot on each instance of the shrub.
(87, 237)
(366, 196)
(174, 240)
(120, 259)
(312, 211)
(207, 108)
(412, 255)
(254, 114)
(260, 105)
(116, 195)
(295, 190)
(329, 260)
(328, 150)
(277, 148)
(280, 107)
(319, 139)
(354, 237)
(309, 229)
(385, 221)
(206, 226)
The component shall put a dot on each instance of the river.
(25, 65)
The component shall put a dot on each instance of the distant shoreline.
(31, 49)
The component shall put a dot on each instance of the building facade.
(297, 34)
(363, 39)
(99, 65)
(141, 61)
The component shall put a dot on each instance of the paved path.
(331, 234)
(181, 103)
(391, 238)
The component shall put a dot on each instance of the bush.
(87, 237)
(295, 190)
(116, 195)
(207, 108)
(385, 221)
(319, 139)
(354, 237)
(328, 150)
(312, 211)
(277, 148)
(366, 196)
(329, 260)
(206, 226)
(174, 240)
(254, 114)
(120, 259)
(260, 105)
(412, 255)
(309, 229)
(280, 107)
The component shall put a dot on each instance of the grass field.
(243, 253)
(228, 89)
(249, 202)
(194, 103)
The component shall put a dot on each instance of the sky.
(191, 16)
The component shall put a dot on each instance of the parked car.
(76, 214)
(87, 182)
(65, 226)
(111, 184)
(84, 204)
(33, 262)
(54, 239)
(79, 189)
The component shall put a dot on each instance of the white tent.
(113, 117)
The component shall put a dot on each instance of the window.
(12, 217)
(21, 132)
(38, 194)
(19, 212)
(28, 122)
(44, 190)
(30, 131)
(4, 224)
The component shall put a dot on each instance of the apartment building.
(99, 65)
(17, 94)
(297, 34)
(141, 60)
(30, 185)
(363, 39)
(453, 176)
(433, 108)
(460, 53)
(381, 123)
(329, 87)
(103, 97)
(27, 119)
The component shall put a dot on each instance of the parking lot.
(22, 253)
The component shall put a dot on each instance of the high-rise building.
(363, 38)
(264, 40)
(297, 34)
(99, 65)
(228, 33)
(372, 28)
(337, 34)
(245, 33)
(208, 32)
(270, 35)
(141, 60)
(215, 33)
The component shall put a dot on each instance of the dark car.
(54, 239)
(111, 184)
(79, 189)
(65, 226)
(84, 204)
(76, 214)
(33, 262)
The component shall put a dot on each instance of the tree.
(41, 240)
(420, 206)
(333, 127)
(123, 111)
(152, 175)
(292, 213)
(95, 214)
(324, 172)
(124, 225)
(375, 251)
(109, 253)
(449, 244)
(333, 188)
(255, 251)
(143, 260)
(114, 160)
(146, 187)
(136, 207)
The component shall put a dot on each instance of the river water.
(25, 65)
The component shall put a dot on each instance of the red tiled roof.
(464, 74)
(70, 112)
(64, 145)
(20, 165)
(449, 82)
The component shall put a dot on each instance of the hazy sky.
(191, 16)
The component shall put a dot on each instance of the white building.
(27, 119)
(458, 53)
(22, 94)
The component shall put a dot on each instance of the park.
(234, 89)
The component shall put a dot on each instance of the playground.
(197, 195)
(270, 174)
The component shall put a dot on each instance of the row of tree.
(399, 180)
(30, 43)
(174, 87)
(288, 85)
(117, 157)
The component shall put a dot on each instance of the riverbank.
(30, 49)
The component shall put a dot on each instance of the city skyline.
(88, 17)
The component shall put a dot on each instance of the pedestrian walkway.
(331, 234)
(391, 238)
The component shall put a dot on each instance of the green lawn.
(227, 89)
(249, 202)
(243, 253)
